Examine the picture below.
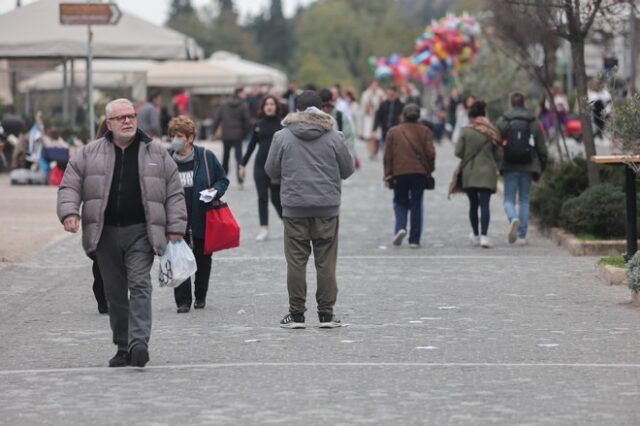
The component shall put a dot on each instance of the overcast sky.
(156, 10)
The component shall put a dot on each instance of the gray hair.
(109, 108)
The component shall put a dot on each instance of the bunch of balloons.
(445, 46)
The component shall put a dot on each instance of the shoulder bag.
(430, 182)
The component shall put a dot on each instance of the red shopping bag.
(221, 231)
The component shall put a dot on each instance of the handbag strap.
(421, 159)
(464, 164)
(206, 166)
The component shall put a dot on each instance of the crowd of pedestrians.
(134, 195)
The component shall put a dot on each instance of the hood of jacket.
(309, 124)
(523, 113)
(235, 102)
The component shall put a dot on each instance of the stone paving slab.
(447, 334)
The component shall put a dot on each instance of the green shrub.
(617, 261)
(600, 210)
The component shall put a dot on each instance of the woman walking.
(479, 148)
(409, 161)
(263, 132)
(199, 170)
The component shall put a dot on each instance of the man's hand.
(72, 224)
(241, 172)
(174, 237)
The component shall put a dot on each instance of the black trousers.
(98, 284)
(182, 293)
(479, 198)
(237, 147)
(264, 186)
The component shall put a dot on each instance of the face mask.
(178, 144)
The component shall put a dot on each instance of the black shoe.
(199, 304)
(120, 359)
(328, 321)
(183, 309)
(139, 355)
(292, 321)
(103, 308)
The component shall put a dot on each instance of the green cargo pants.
(300, 235)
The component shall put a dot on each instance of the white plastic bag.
(176, 264)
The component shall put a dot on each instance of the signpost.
(90, 14)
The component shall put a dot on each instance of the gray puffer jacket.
(310, 159)
(87, 182)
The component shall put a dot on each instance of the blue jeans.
(407, 201)
(520, 183)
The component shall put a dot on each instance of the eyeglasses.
(124, 117)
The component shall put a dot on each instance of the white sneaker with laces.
(522, 241)
(475, 239)
(397, 239)
(513, 230)
(262, 235)
(485, 242)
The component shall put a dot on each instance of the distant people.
(438, 115)
(462, 116)
(310, 159)
(354, 110)
(196, 176)
(370, 101)
(524, 160)
(181, 103)
(233, 116)
(479, 148)
(342, 122)
(149, 116)
(254, 99)
(263, 131)
(339, 101)
(452, 106)
(290, 96)
(409, 159)
(387, 116)
(143, 209)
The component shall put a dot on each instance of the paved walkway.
(448, 334)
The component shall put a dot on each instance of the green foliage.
(624, 124)
(617, 261)
(274, 35)
(561, 181)
(600, 210)
(633, 273)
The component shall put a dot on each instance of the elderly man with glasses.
(132, 204)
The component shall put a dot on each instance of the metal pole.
(72, 94)
(65, 93)
(633, 41)
(92, 118)
(630, 192)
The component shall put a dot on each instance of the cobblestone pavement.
(447, 334)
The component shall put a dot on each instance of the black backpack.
(520, 146)
(339, 119)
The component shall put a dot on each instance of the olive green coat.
(481, 159)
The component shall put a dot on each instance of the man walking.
(132, 203)
(234, 117)
(342, 123)
(524, 160)
(310, 159)
(149, 116)
(387, 116)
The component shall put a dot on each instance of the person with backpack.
(479, 149)
(342, 121)
(525, 158)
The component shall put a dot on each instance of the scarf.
(184, 159)
(484, 126)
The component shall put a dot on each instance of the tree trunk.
(577, 54)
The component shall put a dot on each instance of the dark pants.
(408, 193)
(479, 198)
(237, 147)
(125, 257)
(98, 284)
(182, 293)
(264, 186)
(300, 235)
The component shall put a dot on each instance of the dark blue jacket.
(218, 180)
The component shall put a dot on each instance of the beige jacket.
(87, 182)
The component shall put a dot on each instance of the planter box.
(635, 299)
(578, 247)
(612, 275)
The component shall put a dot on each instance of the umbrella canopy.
(249, 72)
(191, 75)
(107, 73)
(34, 31)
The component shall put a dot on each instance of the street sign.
(89, 14)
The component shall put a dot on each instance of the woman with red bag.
(193, 174)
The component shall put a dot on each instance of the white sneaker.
(475, 239)
(522, 241)
(262, 235)
(414, 246)
(485, 242)
(397, 239)
(513, 230)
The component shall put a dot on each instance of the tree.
(180, 8)
(274, 35)
(572, 20)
